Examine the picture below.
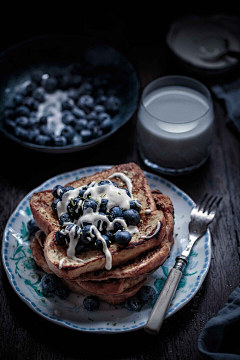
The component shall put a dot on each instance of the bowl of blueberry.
(63, 94)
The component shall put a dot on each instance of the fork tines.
(208, 203)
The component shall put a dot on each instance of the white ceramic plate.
(25, 276)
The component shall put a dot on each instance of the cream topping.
(115, 196)
(155, 232)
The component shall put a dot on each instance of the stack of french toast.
(104, 234)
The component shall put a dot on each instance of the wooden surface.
(26, 335)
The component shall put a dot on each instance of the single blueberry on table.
(91, 303)
(123, 237)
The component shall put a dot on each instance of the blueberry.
(82, 191)
(76, 230)
(91, 303)
(22, 111)
(123, 237)
(81, 124)
(147, 293)
(73, 208)
(22, 121)
(103, 206)
(110, 235)
(99, 109)
(31, 86)
(18, 99)
(67, 104)
(31, 103)
(131, 217)
(79, 247)
(103, 116)
(32, 227)
(42, 140)
(50, 85)
(104, 182)
(61, 238)
(68, 132)
(73, 94)
(39, 94)
(43, 120)
(92, 116)
(36, 76)
(45, 130)
(101, 224)
(78, 113)
(127, 191)
(64, 218)
(106, 126)
(57, 191)
(86, 89)
(118, 225)
(135, 205)
(32, 134)
(101, 100)
(68, 118)
(115, 184)
(59, 140)
(50, 282)
(20, 132)
(54, 205)
(86, 135)
(8, 114)
(66, 189)
(62, 292)
(115, 212)
(131, 304)
(86, 103)
(98, 243)
(90, 203)
(113, 104)
(86, 237)
(65, 81)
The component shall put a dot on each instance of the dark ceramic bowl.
(50, 52)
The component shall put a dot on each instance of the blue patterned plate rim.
(133, 322)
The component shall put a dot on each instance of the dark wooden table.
(26, 335)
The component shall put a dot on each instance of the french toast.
(92, 260)
(86, 273)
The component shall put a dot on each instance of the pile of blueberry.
(87, 110)
(119, 234)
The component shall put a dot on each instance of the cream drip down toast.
(103, 234)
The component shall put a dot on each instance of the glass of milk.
(175, 124)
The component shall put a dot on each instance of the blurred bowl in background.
(53, 55)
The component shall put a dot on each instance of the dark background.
(137, 30)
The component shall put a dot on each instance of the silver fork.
(201, 216)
